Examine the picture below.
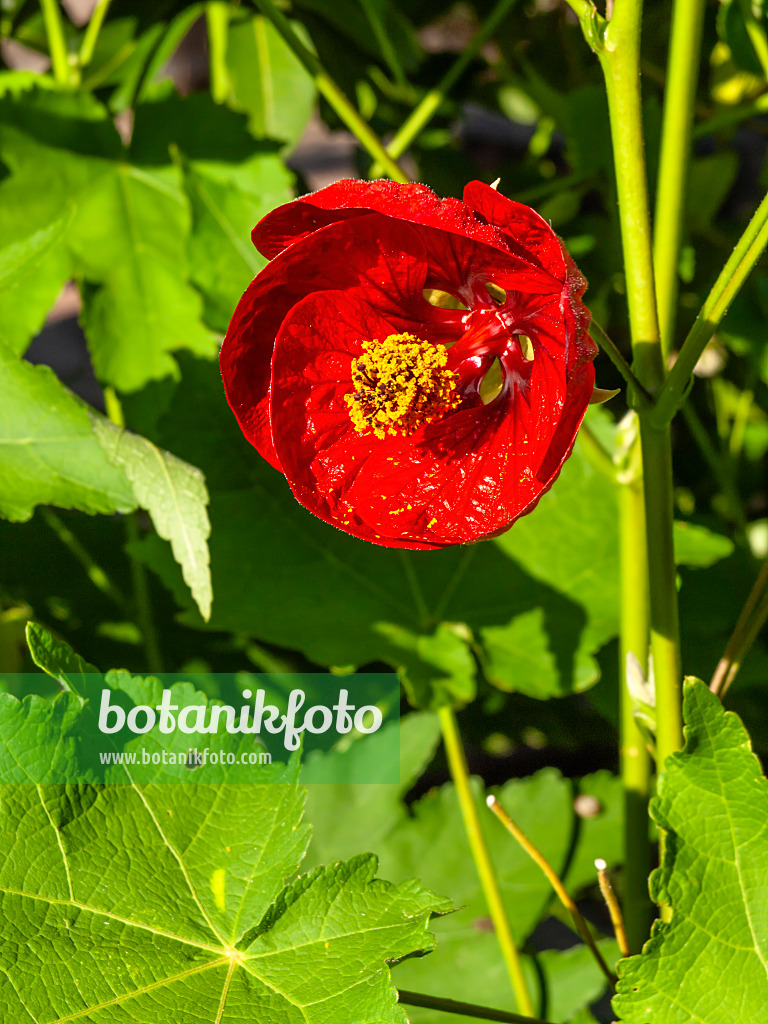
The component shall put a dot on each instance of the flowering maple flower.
(417, 368)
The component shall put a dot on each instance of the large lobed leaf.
(130, 223)
(149, 903)
(709, 964)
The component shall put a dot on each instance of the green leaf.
(174, 494)
(732, 29)
(57, 659)
(267, 80)
(710, 962)
(227, 201)
(164, 902)
(127, 241)
(48, 452)
(711, 178)
(341, 814)
(467, 965)
(699, 547)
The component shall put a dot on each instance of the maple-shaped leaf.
(167, 903)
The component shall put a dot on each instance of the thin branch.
(464, 1009)
(332, 93)
(740, 264)
(433, 100)
(92, 32)
(613, 907)
(457, 763)
(752, 619)
(93, 570)
(598, 335)
(554, 881)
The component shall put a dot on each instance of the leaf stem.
(635, 758)
(217, 24)
(457, 763)
(752, 619)
(554, 880)
(92, 33)
(431, 102)
(463, 1009)
(332, 93)
(677, 125)
(57, 41)
(620, 59)
(742, 260)
(613, 907)
(598, 335)
(93, 570)
(142, 600)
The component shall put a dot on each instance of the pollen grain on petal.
(400, 384)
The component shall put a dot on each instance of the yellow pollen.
(400, 383)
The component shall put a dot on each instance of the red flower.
(402, 423)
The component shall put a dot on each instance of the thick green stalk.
(463, 1009)
(679, 98)
(92, 33)
(57, 41)
(742, 260)
(635, 759)
(620, 58)
(426, 109)
(332, 93)
(457, 763)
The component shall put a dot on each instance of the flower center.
(400, 383)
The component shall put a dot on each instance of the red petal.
(319, 448)
(470, 475)
(334, 257)
(416, 204)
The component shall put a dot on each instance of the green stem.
(620, 58)
(141, 596)
(679, 98)
(328, 88)
(433, 100)
(742, 260)
(463, 1009)
(57, 41)
(598, 335)
(92, 33)
(635, 758)
(93, 570)
(217, 24)
(665, 626)
(458, 766)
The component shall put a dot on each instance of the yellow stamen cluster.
(400, 384)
